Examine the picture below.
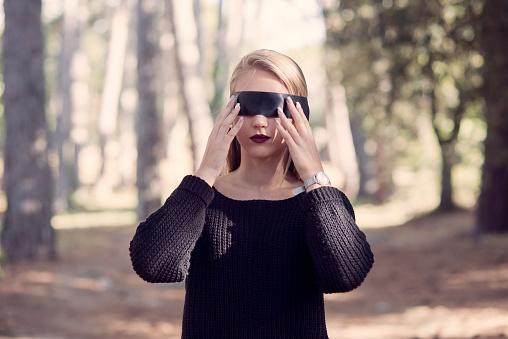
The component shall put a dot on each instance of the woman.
(260, 243)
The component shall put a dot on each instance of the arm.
(339, 249)
(161, 247)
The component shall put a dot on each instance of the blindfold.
(266, 103)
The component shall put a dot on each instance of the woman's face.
(262, 81)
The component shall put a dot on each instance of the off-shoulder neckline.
(265, 201)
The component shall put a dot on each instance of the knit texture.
(252, 268)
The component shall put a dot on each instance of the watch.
(320, 178)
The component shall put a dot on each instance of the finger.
(302, 113)
(234, 113)
(298, 116)
(227, 109)
(285, 134)
(234, 130)
(223, 128)
(305, 122)
(288, 125)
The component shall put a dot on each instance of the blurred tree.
(148, 118)
(230, 35)
(356, 60)
(172, 103)
(197, 10)
(27, 230)
(402, 54)
(128, 105)
(66, 181)
(191, 83)
(450, 76)
(112, 87)
(341, 148)
(492, 214)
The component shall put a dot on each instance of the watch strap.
(298, 190)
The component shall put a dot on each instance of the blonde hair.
(289, 73)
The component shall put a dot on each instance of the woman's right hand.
(219, 141)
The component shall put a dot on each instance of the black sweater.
(252, 268)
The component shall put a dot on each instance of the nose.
(260, 121)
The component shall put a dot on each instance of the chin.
(262, 150)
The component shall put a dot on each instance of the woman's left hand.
(298, 136)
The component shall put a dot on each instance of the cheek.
(243, 131)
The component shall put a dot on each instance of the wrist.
(207, 175)
(309, 174)
(319, 177)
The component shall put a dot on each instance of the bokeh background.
(107, 105)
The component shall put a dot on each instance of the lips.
(259, 137)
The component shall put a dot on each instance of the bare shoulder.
(226, 185)
(223, 182)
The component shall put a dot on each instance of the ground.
(431, 279)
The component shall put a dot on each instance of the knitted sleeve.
(162, 244)
(341, 255)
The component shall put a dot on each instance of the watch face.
(322, 178)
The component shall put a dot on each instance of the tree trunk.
(363, 159)
(383, 164)
(148, 117)
(108, 119)
(230, 35)
(341, 147)
(27, 231)
(171, 103)
(492, 214)
(446, 143)
(128, 106)
(446, 201)
(197, 10)
(65, 181)
(80, 133)
(192, 88)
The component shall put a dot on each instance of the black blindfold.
(266, 103)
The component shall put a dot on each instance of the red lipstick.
(259, 138)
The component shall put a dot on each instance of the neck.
(261, 174)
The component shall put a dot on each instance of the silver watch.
(320, 178)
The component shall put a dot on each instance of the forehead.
(259, 80)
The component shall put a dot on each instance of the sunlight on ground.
(424, 322)
(494, 278)
(143, 328)
(94, 219)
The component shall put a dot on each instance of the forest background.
(107, 105)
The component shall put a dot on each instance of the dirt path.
(430, 280)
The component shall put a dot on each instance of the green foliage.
(398, 59)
